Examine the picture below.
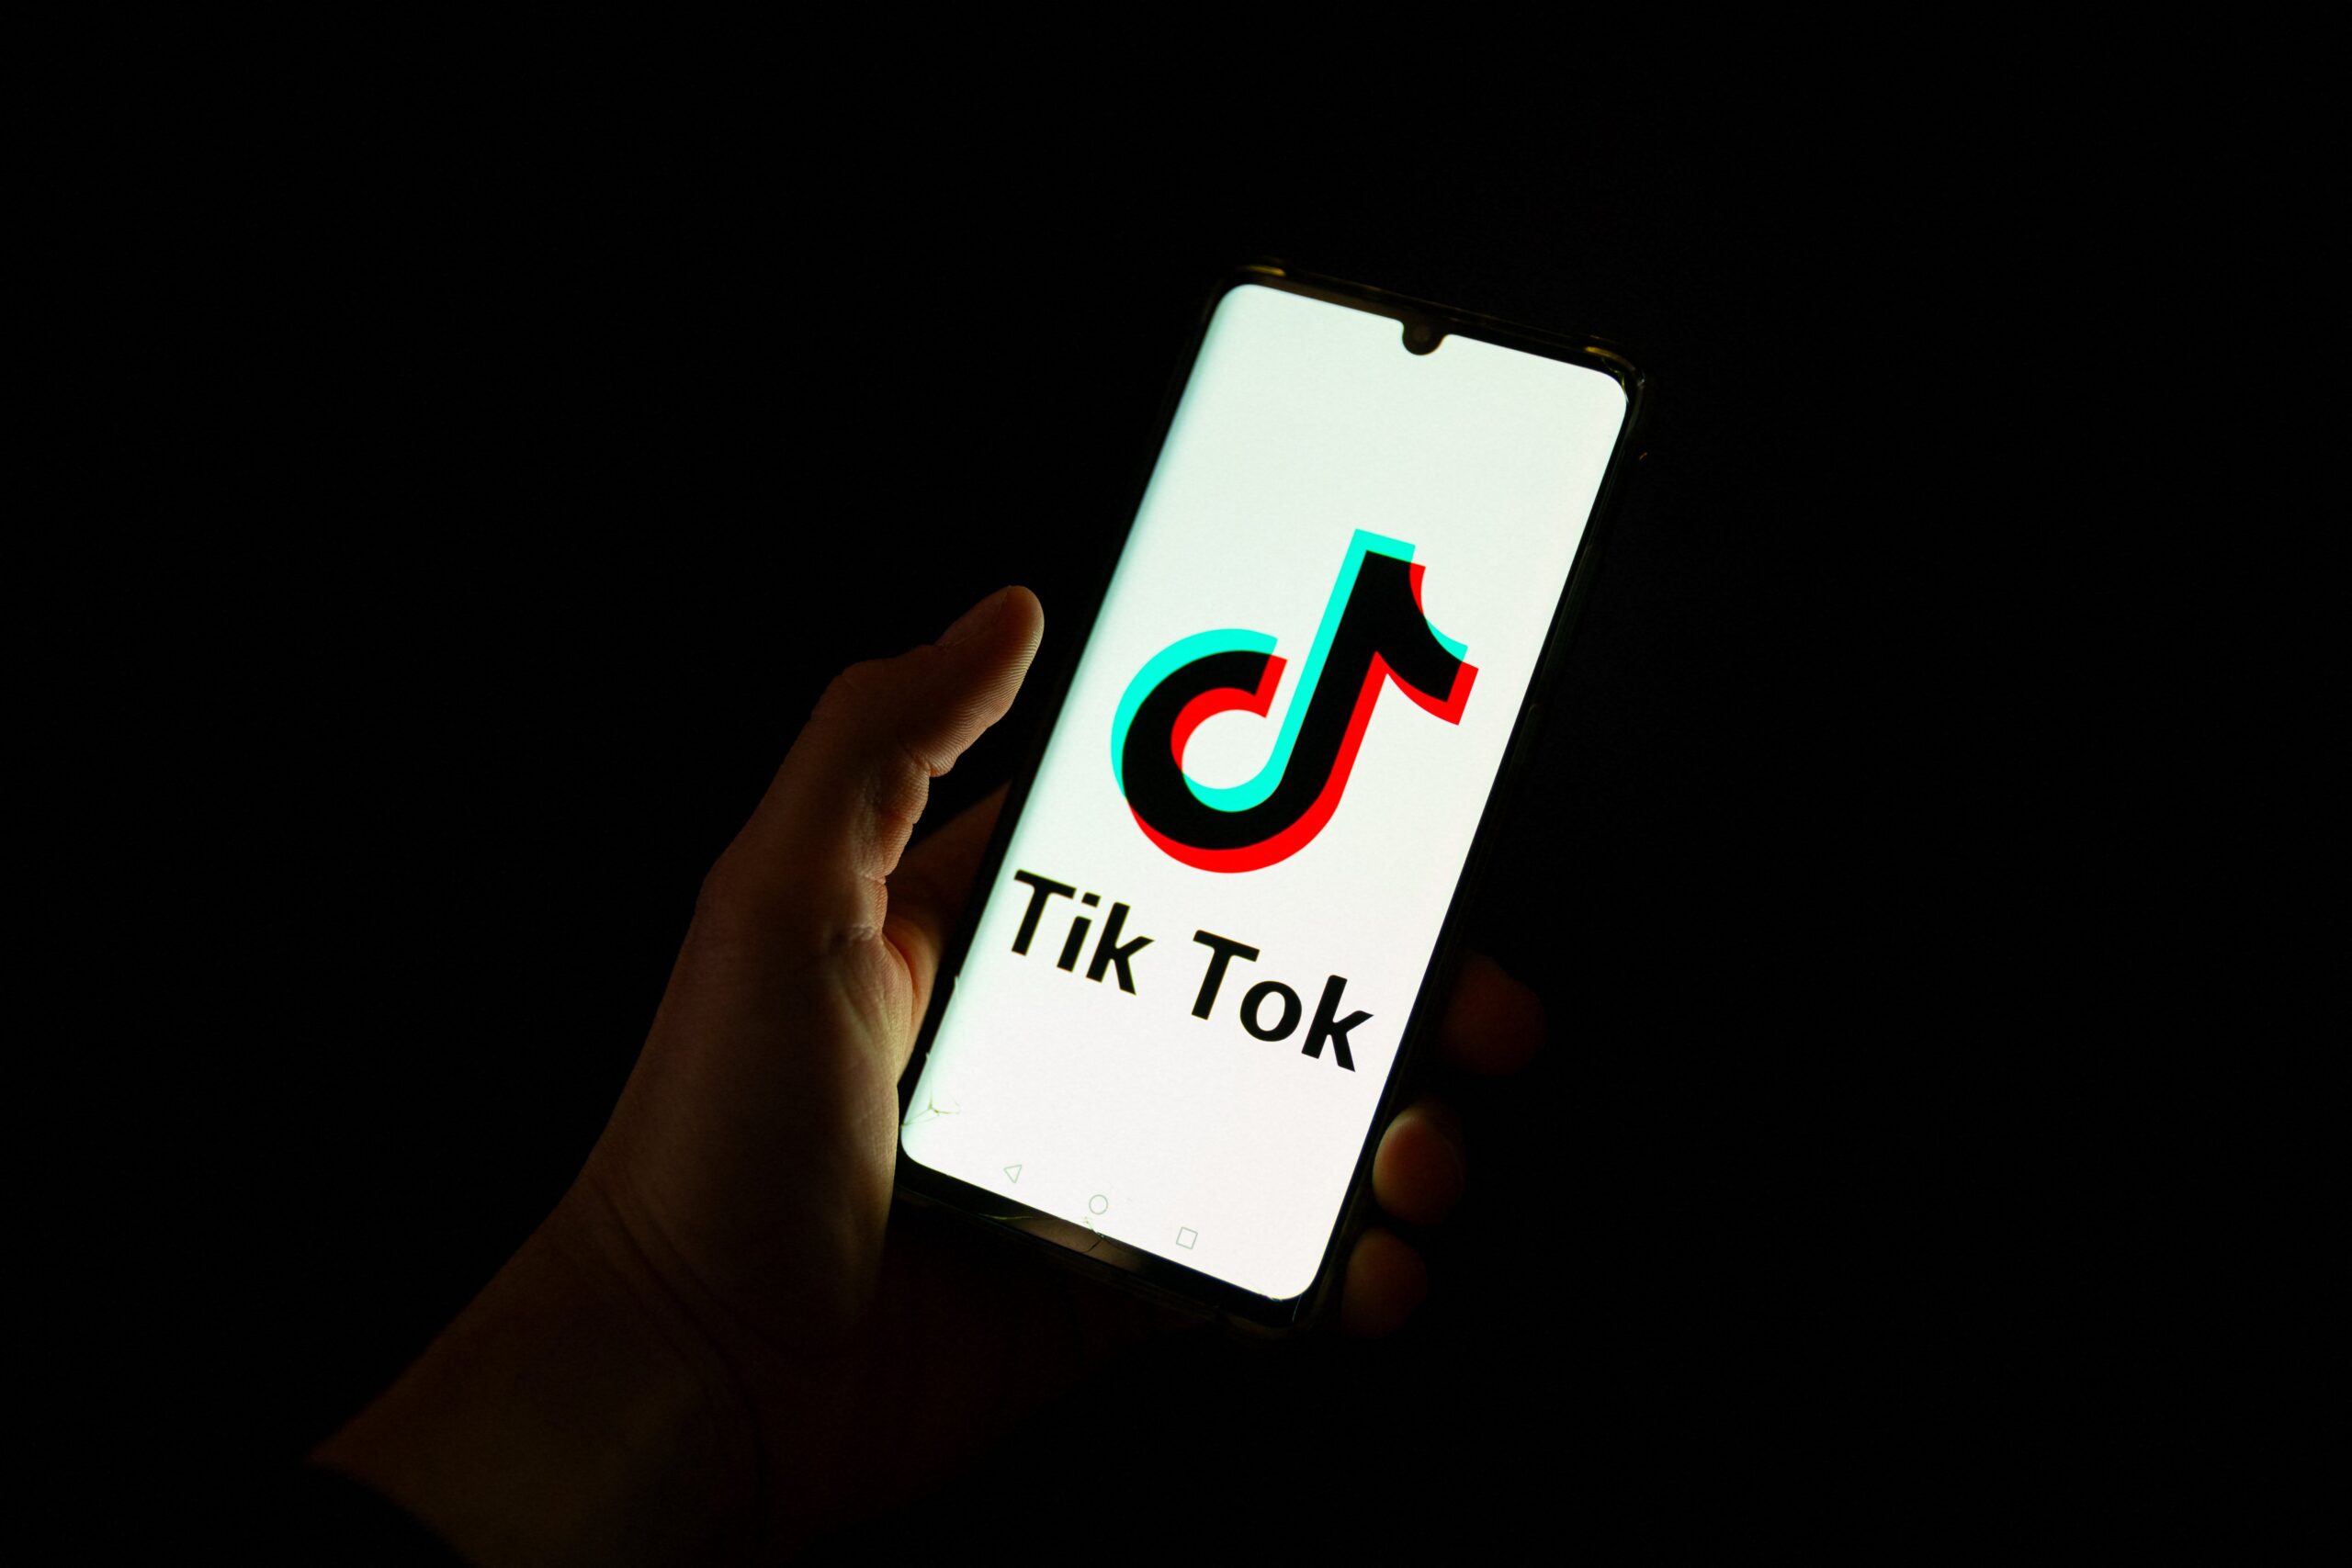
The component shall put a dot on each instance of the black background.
(534, 444)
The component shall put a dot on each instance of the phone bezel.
(1103, 1256)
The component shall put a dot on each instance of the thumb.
(808, 869)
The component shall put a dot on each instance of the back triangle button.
(1014, 1171)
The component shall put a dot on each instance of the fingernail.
(974, 619)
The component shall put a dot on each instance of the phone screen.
(1188, 981)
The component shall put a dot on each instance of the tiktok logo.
(1373, 631)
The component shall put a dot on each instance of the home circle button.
(1098, 1205)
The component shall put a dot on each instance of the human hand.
(725, 1336)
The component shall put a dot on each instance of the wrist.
(571, 1414)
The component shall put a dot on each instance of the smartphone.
(1215, 923)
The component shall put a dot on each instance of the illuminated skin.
(725, 1339)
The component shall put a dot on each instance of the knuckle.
(721, 892)
(851, 688)
(870, 681)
